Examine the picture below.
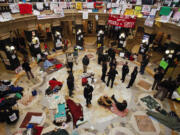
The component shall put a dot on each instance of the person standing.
(125, 71)
(157, 78)
(75, 54)
(26, 67)
(111, 76)
(133, 77)
(144, 63)
(111, 53)
(88, 94)
(100, 54)
(85, 62)
(70, 83)
(70, 61)
(113, 62)
(104, 70)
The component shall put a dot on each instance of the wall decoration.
(14, 8)
(122, 21)
(25, 8)
(78, 5)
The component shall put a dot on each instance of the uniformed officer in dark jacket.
(113, 62)
(111, 53)
(100, 54)
(85, 62)
(144, 63)
(125, 71)
(88, 94)
(70, 83)
(111, 76)
(104, 70)
(133, 77)
(157, 79)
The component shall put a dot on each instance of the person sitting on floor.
(105, 101)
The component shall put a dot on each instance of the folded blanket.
(115, 110)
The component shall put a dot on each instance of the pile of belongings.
(87, 78)
(150, 102)
(7, 114)
(54, 87)
(50, 65)
(171, 119)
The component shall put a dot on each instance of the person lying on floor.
(108, 102)
(76, 111)
(120, 106)
(9, 89)
(55, 86)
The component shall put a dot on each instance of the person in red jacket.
(76, 111)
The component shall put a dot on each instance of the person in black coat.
(133, 77)
(26, 67)
(111, 53)
(120, 106)
(100, 54)
(125, 71)
(70, 83)
(85, 62)
(88, 94)
(104, 70)
(157, 78)
(144, 63)
(111, 76)
(113, 62)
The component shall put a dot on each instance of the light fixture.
(172, 51)
(167, 51)
(12, 48)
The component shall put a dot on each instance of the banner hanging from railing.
(122, 21)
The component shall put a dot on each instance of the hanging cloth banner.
(122, 21)
(25, 8)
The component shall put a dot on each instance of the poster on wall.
(149, 21)
(122, 21)
(90, 5)
(85, 15)
(14, 8)
(79, 6)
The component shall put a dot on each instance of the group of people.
(113, 72)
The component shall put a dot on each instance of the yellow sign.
(129, 12)
(79, 6)
(137, 11)
(99, 45)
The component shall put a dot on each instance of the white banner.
(53, 5)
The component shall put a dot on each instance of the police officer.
(125, 71)
(104, 70)
(133, 77)
(111, 76)
(88, 94)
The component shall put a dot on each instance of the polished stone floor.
(100, 121)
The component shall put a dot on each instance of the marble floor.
(100, 121)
